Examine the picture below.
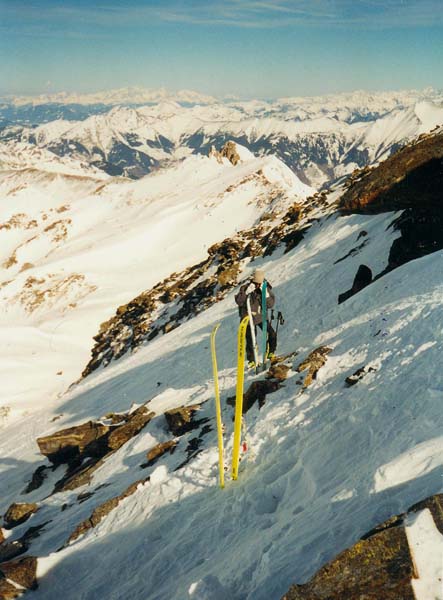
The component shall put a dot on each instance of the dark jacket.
(255, 300)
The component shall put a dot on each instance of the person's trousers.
(272, 341)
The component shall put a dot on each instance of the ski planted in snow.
(241, 347)
(221, 463)
(252, 330)
(264, 321)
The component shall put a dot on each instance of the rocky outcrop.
(84, 447)
(88, 439)
(380, 565)
(17, 576)
(412, 177)
(228, 151)
(18, 513)
(411, 181)
(313, 363)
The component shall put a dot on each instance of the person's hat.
(258, 276)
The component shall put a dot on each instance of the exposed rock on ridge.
(379, 566)
(183, 295)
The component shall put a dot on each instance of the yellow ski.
(239, 395)
(221, 464)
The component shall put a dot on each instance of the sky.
(248, 48)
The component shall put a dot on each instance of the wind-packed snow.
(324, 464)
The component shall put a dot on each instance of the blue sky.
(250, 48)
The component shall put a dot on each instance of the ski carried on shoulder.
(264, 316)
(221, 463)
(252, 330)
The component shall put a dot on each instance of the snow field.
(309, 485)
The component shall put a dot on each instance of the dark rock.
(257, 392)
(158, 451)
(358, 375)
(313, 363)
(18, 513)
(37, 480)
(412, 181)
(362, 279)
(22, 571)
(9, 550)
(181, 420)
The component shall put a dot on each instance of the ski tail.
(221, 463)
(241, 342)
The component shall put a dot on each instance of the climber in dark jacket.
(253, 289)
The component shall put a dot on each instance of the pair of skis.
(264, 313)
(241, 351)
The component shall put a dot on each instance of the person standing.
(253, 290)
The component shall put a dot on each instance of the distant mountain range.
(132, 132)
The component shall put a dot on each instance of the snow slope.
(325, 463)
(74, 248)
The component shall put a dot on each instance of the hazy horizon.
(246, 48)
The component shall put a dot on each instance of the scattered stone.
(22, 571)
(362, 279)
(358, 375)
(313, 363)
(18, 513)
(181, 420)
(278, 371)
(158, 451)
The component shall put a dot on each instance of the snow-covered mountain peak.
(430, 114)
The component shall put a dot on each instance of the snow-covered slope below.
(325, 462)
(74, 248)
